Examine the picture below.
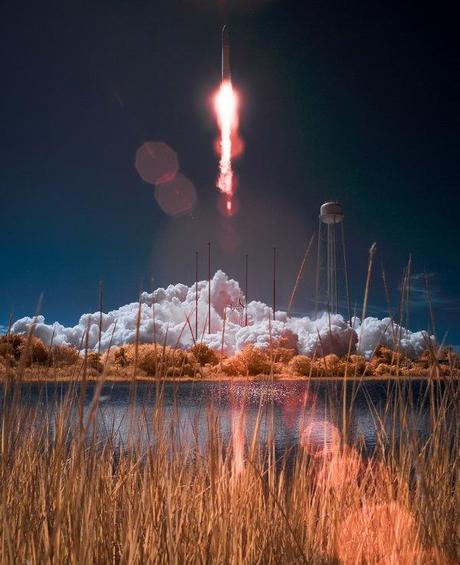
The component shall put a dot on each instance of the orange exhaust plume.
(226, 109)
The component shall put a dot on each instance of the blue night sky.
(355, 101)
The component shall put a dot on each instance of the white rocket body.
(226, 75)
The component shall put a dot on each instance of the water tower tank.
(331, 213)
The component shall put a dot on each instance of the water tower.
(331, 266)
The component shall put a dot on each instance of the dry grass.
(68, 496)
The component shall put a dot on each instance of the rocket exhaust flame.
(226, 109)
(226, 106)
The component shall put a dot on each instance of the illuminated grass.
(68, 495)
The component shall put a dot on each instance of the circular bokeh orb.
(379, 533)
(320, 438)
(176, 197)
(156, 162)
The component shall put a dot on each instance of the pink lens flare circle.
(378, 533)
(320, 438)
(176, 197)
(156, 162)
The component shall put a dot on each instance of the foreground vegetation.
(69, 495)
(141, 361)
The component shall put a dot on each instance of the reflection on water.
(294, 412)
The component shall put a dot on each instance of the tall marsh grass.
(71, 495)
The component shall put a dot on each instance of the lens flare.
(156, 162)
(382, 533)
(340, 471)
(226, 109)
(320, 438)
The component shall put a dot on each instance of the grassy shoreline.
(226, 378)
(29, 359)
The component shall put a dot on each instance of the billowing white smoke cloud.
(164, 314)
(373, 332)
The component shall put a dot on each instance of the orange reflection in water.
(238, 441)
(295, 405)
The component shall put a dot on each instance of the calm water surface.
(286, 409)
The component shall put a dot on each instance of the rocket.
(226, 75)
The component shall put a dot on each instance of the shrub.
(159, 360)
(283, 354)
(415, 371)
(233, 366)
(149, 362)
(11, 346)
(94, 361)
(385, 369)
(36, 351)
(64, 355)
(425, 360)
(383, 355)
(39, 353)
(369, 369)
(185, 370)
(357, 363)
(279, 368)
(331, 363)
(284, 349)
(120, 357)
(254, 360)
(301, 365)
(204, 355)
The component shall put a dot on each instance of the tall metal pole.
(101, 299)
(246, 289)
(196, 295)
(318, 269)
(299, 274)
(409, 269)
(334, 267)
(345, 268)
(154, 332)
(209, 287)
(329, 266)
(274, 281)
(372, 251)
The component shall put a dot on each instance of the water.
(296, 412)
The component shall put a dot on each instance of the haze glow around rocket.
(226, 109)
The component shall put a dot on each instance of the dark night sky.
(350, 100)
